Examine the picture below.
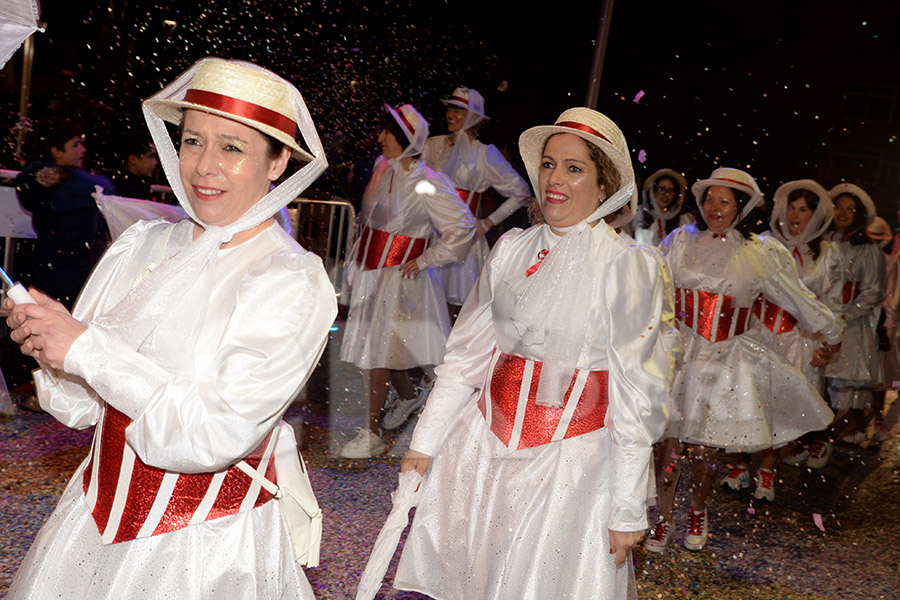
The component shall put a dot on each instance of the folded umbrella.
(405, 497)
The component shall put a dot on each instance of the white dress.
(823, 276)
(739, 393)
(266, 325)
(395, 322)
(857, 367)
(474, 167)
(533, 523)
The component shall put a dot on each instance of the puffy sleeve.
(451, 218)
(271, 341)
(466, 360)
(501, 176)
(639, 306)
(68, 397)
(871, 271)
(783, 286)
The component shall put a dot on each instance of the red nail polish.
(611, 551)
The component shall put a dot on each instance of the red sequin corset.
(773, 316)
(508, 403)
(850, 291)
(130, 499)
(379, 249)
(714, 316)
(472, 199)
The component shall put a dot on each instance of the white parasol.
(405, 497)
(121, 212)
(18, 20)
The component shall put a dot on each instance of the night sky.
(786, 90)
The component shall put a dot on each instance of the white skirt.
(742, 395)
(799, 347)
(242, 556)
(529, 525)
(459, 277)
(395, 322)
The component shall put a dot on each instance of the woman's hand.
(823, 353)
(50, 176)
(45, 331)
(620, 542)
(410, 269)
(415, 460)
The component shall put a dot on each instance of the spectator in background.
(71, 232)
(138, 166)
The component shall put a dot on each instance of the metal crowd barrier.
(328, 228)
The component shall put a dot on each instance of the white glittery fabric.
(533, 523)
(824, 278)
(474, 166)
(857, 367)
(740, 393)
(265, 323)
(396, 322)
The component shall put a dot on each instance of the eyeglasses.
(666, 191)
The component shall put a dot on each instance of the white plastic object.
(20, 295)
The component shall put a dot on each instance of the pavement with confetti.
(756, 550)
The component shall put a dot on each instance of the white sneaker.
(881, 432)
(659, 538)
(765, 486)
(398, 415)
(797, 456)
(365, 445)
(857, 437)
(819, 453)
(391, 398)
(738, 479)
(698, 531)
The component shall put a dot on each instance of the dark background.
(785, 90)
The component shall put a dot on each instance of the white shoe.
(398, 415)
(391, 398)
(765, 486)
(819, 453)
(857, 437)
(881, 432)
(365, 445)
(737, 479)
(797, 457)
(698, 531)
(659, 538)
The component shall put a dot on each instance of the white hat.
(237, 90)
(414, 126)
(736, 180)
(468, 99)
(647, 198)
(880, 232)
(595, 128)
(818, 223)
(854, 190)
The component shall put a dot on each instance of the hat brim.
(755, 200)
(531, 146)
(864, 197)
(458, 104)
(173, 110)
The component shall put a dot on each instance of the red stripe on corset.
(710, 306)
(850, 291)
(540, 422)
(108, 454)
(472, 199)
(400, 248)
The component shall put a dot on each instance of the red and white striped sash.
(713, 316)
(850, 291)
(130, 499)
(508, 403)
(379, 249)
(773, 316)
(472, 199)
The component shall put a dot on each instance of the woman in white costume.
(856, 370)
(733, 390)
(412, 221)
(661, 207)
(801, 215)
(474, 167)
(881, 234)
(187, 344)
(561, 335)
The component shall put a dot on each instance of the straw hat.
(734, 179)
(240, 91)
(854, 190)
(880, 232)
(595, 128)
(414, 126)
(467, 99)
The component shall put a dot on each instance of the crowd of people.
(561, 377)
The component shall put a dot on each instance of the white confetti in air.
(426, 188)
(642, 156)
(817, 519)
(638, 96)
